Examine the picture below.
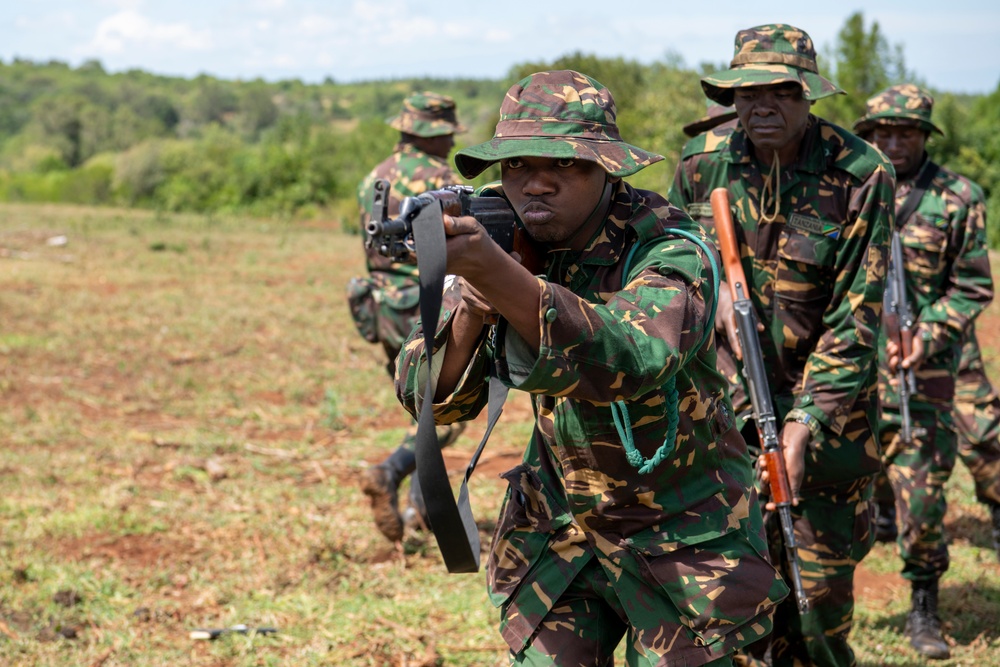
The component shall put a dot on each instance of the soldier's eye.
(512, 163)
(565, 162)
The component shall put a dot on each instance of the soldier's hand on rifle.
(794, 438)
(725, 320)
(911, 362)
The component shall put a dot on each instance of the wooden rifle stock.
(757, 385)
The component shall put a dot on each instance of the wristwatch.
(802, 417)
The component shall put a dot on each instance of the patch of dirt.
(132, 551)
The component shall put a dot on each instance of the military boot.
(381, 485)
(995, 520)
(885, 522)
(923, 627)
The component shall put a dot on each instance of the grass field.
(185, 407)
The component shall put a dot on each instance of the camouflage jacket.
(607, 337)
(817, 275)
(411, 172)
(948, 281)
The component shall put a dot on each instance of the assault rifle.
(898, 319)
(393, 238)
(758, 389)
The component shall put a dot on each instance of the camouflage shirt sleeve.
(945, 247)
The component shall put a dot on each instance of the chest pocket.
(924, 245)
(803, 287)
(805, 267)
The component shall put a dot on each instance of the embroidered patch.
(699, 209)
(815, 225)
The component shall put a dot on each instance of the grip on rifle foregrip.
(777, 477)
(726, 233)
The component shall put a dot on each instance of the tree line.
(287, 148)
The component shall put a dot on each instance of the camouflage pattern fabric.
(817, 274)
(948, 284)
(977, 421)
(427, 115)
(766, 55)
(682, 546)
(558, 114)
(837, 532)
(902, 105)
(918, 473)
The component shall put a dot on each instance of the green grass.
(185, 408)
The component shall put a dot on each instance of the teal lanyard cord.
(619, 411)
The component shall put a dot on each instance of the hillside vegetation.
(290, 149)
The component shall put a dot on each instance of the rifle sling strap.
(452, 522)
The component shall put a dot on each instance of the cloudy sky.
(953, 45)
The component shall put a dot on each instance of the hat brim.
(719, 86)
(616, 157)
(868, 123)
(426, 129)
(707, 123)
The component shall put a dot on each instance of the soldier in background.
(812, 205)
(385, 304)
(941, 221)
(633, 512)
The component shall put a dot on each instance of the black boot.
(381, 485)
(995, 520)
(923, 627)
(885, 522)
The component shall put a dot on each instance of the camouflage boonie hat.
(558, 114)
(767, 55)
(716, 115)
(902, 105)
(427, 115)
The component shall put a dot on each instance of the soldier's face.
(774, 117)
(904, 146)
(555, 197)
(438, 146)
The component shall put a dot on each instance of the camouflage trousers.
(977, 423)
(586, 625)
(834, 529)
(917, 473)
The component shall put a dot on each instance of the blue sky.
(954, 46)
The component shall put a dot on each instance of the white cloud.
(129, 28)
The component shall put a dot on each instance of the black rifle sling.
(452, 523)
(920, 186)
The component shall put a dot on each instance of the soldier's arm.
(839, 367)
(969, 280)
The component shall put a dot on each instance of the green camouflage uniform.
(948, 284)
(385, 304)
(817, 273)
(977, 420)
(675, 557)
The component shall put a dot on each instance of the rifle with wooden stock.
(757, 385)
